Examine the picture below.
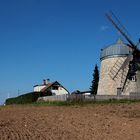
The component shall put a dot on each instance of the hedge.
(25, 98)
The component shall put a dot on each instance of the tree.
(95, 81)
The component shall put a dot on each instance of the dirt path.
(98, 122)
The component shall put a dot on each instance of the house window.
(55, 88)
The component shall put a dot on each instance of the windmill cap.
(119, 48)
(119, 41)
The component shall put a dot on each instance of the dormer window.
(55, 88)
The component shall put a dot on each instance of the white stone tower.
(111, 77)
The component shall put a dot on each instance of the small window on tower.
(133, 78)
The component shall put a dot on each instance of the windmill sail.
(120, 65)
(132, 60)
(120, 28)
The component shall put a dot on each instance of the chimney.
(45, 82)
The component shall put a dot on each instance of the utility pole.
(18, 92)
(8, 95)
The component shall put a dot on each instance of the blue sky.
(57, 39)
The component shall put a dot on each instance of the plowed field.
(93, 122)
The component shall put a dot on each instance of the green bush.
(25, 98)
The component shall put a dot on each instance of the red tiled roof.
(50, 84)
(47, 86)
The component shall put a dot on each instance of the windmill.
(132, 62)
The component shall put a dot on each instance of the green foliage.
(68, 103)
(25, 98)
(84, 103)
(95, 81)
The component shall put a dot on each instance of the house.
(81, 92)
(86, 93)
(51, 88)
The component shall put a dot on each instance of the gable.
(54, 86)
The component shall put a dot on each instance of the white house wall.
(60, 91)
(39, 88)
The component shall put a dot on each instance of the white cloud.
(104, 28)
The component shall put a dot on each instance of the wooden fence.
(81, 97)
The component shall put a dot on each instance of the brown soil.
(96, 122)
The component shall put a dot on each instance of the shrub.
(25, 98)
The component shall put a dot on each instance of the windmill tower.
(120, 65)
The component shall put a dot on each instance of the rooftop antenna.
(8, 95)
